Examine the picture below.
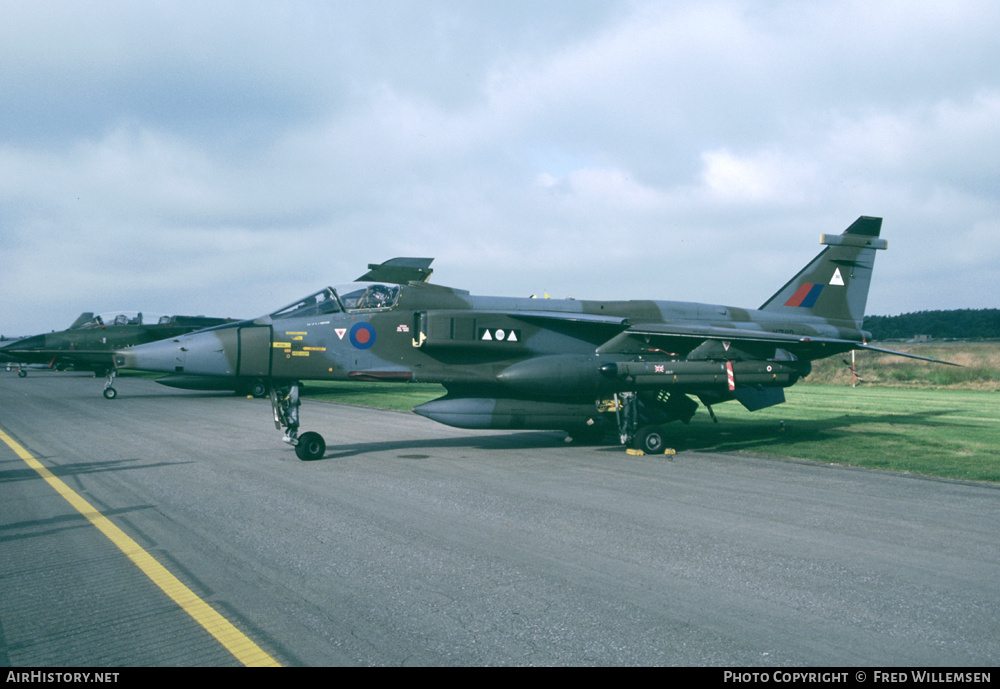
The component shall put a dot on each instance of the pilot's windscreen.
(323, 301)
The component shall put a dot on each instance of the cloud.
(243, 152)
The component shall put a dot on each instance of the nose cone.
(166, 356)
(200, 353)
(6, 348)
(23, 344)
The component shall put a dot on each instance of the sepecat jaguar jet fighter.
(590, 368)
(90, 342)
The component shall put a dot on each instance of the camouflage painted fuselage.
(91, 341)
(543, 363)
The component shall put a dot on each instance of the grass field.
(910, 416)
(948, 433)
(979, 367)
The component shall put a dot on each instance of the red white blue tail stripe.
(806, 295)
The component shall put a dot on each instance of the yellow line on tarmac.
(235, 641)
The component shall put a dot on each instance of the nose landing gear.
(285, 404)
(310, 446)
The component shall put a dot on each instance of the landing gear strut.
(647, 437)
(285, 405)
(627, 414)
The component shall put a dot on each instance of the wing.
(716, 342)
(907, 355)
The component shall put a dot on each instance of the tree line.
(963, 324)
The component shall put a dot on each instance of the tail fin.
(835, 284)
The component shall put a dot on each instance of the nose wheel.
(310, 446)
(285, 405)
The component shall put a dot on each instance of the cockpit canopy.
(89, 320)
(374, 295)
(354, 296)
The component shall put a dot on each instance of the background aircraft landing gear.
(258, 389)
(109, 392)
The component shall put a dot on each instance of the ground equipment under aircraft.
(586, 367)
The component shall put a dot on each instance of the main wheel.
(650, 440)
(311, 446)
(21, 373)
(110, 393)
(258, 389)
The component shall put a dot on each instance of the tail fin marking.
(834, 285)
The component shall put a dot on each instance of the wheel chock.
(639, 453)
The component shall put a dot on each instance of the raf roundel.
(362, 335)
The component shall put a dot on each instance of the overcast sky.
(226, 158)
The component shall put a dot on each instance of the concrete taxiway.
(416, 544)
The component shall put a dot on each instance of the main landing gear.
(641, 418)
(285, 404)
(634, 430)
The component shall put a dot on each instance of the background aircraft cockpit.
(89, 320)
